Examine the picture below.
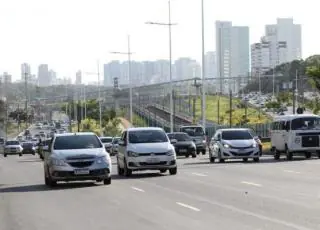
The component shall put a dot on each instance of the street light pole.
(128, 53)
(203, 69)
(169, 24)
(99, 95)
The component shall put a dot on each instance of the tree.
(313, 72)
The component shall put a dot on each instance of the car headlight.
(132, 154)
(226, 146)
(204, 141)
(57, 162)
(297, 140)
(170, 153)
(102, 160)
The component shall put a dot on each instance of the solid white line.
(188, 206)
(290, 171)
(251, 183)
(138, 189)
(199, 174)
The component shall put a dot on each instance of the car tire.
(288, 154)
(256, 159)
(198, 152)
(107, 181)
(318, 154)
(5, 155)
(163, 170)
(20, 154)
(308, 155)
(127, 172)
(187, 155)
(221, 160)
(245, 159)
(212, 159)
(173, 171)
(276, 155)
(194, 155)
(203, 152)
(49, 182)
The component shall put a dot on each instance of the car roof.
(177, 133)
(234, 129)
(75, 134)
(144, 129)
(106, 137)
(294, 116)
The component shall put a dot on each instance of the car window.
(182, 137)
(236, 135)
(115, 140)
(193, 131)
(106, 140)
(171, 136)
(76, 142)
(27, 145)
(12, 143)
(147, 136)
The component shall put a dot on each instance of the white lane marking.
(188, 206)
(251, 183)
(199, 174)
(291, 171)
(138, 189)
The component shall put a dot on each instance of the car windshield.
(236, 135)
(12, 143)
(27, 145)
(106, 140)
(193, 131)
(116, 140)
(77, 142)
(147, 136)
(305, 123)
(182, 137)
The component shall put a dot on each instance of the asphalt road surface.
(233, 195)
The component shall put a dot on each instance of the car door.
(122, 149)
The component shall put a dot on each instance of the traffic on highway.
(46, 167)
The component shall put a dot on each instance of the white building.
(78, 78)
(43, 75)
(25, 71)
(281, 44)
(210, 64)
(232, 55)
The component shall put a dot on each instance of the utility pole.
(218, 111)
(230, 108)
(295, 94)
(26, 92)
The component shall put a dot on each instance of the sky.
(72, 35)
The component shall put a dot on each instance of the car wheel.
(245, 159)
(221, 160)
(212, 159)
(127, 172)
(256, 159)
(198, 152)
(318, 154)
(120, 170)
(49, 182)
(173, 171)
(163, 170)
(194, 155)
(5, 155)
(20, 154)
(308, 155)
(276, 155)
(107, 181)
(187, 155)
(203, 152)
(288, 154)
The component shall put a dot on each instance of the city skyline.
(51, 41)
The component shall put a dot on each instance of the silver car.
(233, 144)
(76, 157)
(107, 142)
(12, 148)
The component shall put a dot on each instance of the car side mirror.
(121, 143)
(173, 141)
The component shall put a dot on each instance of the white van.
(295, 134)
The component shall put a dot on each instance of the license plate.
(153, 160)
(182, 150)
(81, 172)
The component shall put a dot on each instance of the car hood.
(107, 144)
(239, 143)
(184, 143)
(62, 154)
(12, 146)
(150, 147)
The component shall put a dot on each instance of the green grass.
(237, 114)
(138, 121)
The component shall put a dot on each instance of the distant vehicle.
(12, 148)
(19, 138)
(115, 145)
(295, 134)
(107, 142)
(145, 149)
(38, 126)
(28, 148)
(75, 157)
(183, 144)
(27, 132)
(2, 141)
(37, 136)
(198, 135)
(233, 144)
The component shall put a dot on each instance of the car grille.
(247, 147)
(158, 163)
(241, 154)
(310, 141)
(80, 157)
(81, 164)
(153, 154)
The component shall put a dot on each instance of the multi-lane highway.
(235, 195)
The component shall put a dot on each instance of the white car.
(12, 148)
(145, 149)
(233, 144)
(107, 142)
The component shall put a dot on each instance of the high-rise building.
(78, 78)
(111, 71)
(210, 64)
(280, 44)
(6, 78)
(52, 77)
(232, 55)
(25, 72)
(43, 75)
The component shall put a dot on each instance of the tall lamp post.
(169, 25)
(203, 69)
(128, 53)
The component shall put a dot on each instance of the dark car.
(28, 148)
(184, 145)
